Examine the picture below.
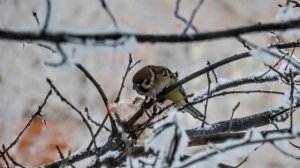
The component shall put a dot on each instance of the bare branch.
(224, 93)
(221, 63)
(95, 83)
(104, 98)
(129, 67)
(98, 130)
(208, 93)
(285, 152)
(62, 37)
(295, 146)
(232, 114)
(63, 99)
(11, 158)
(5, 161)
(37, 113)
(62, 54)
(45, 27)
(291, 98)
(238, 82)
(36, 18)
(178, 16)
(94, 122)
(189, 24)
(247, 142)
(110, 14)
(246, 158)
(241, 124)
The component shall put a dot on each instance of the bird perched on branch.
(152, 80)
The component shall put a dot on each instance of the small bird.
(151, 80)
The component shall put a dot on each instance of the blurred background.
(23, 73)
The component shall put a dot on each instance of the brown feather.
(140, 75)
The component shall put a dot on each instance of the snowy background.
(23, 72)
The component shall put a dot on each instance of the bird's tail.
(194, 112)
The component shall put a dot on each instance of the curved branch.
(45, 26)
(63, 57)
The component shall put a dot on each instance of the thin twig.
(224, 93)
(247, 142)
(291, 98)
(278, 40)
(215, 76)
(36, 18)
(208, 93)
(110, 14)
(248, 45)
(129, 67)
(295, 146)
(5, 161)
(178, 16)
(292, 53)
(281, 75)
(246, 158)
(63, 99)
(44, 46)
(291, 60)
(63, 57)
(188, 25)
(11, 158)
(232, 114)
(238, 82)
(37, 113)
(45, 27)
(95, 83)
(272, 67)
(94, 122)
(221, 63)
(98, 130)
(244, 42)
(285, 152)
(59, 152)
(114, 129)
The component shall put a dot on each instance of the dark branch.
(114, 129)
(37, 113)
(110, 14)
(241, 124)
(188, 25)
(63, 99)
(284, 152)
(224, 93)
(99, 130)
(45, 27)
(11, 158)
(247, 142)
(221, 63)
(95, 83)
(36, 18)
(129, 67)
(94, 122)
(208, 93)
(232, 114)
(63, 37)
(62, 54)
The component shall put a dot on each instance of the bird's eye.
(147, 81)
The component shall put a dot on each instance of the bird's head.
(143, 79)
